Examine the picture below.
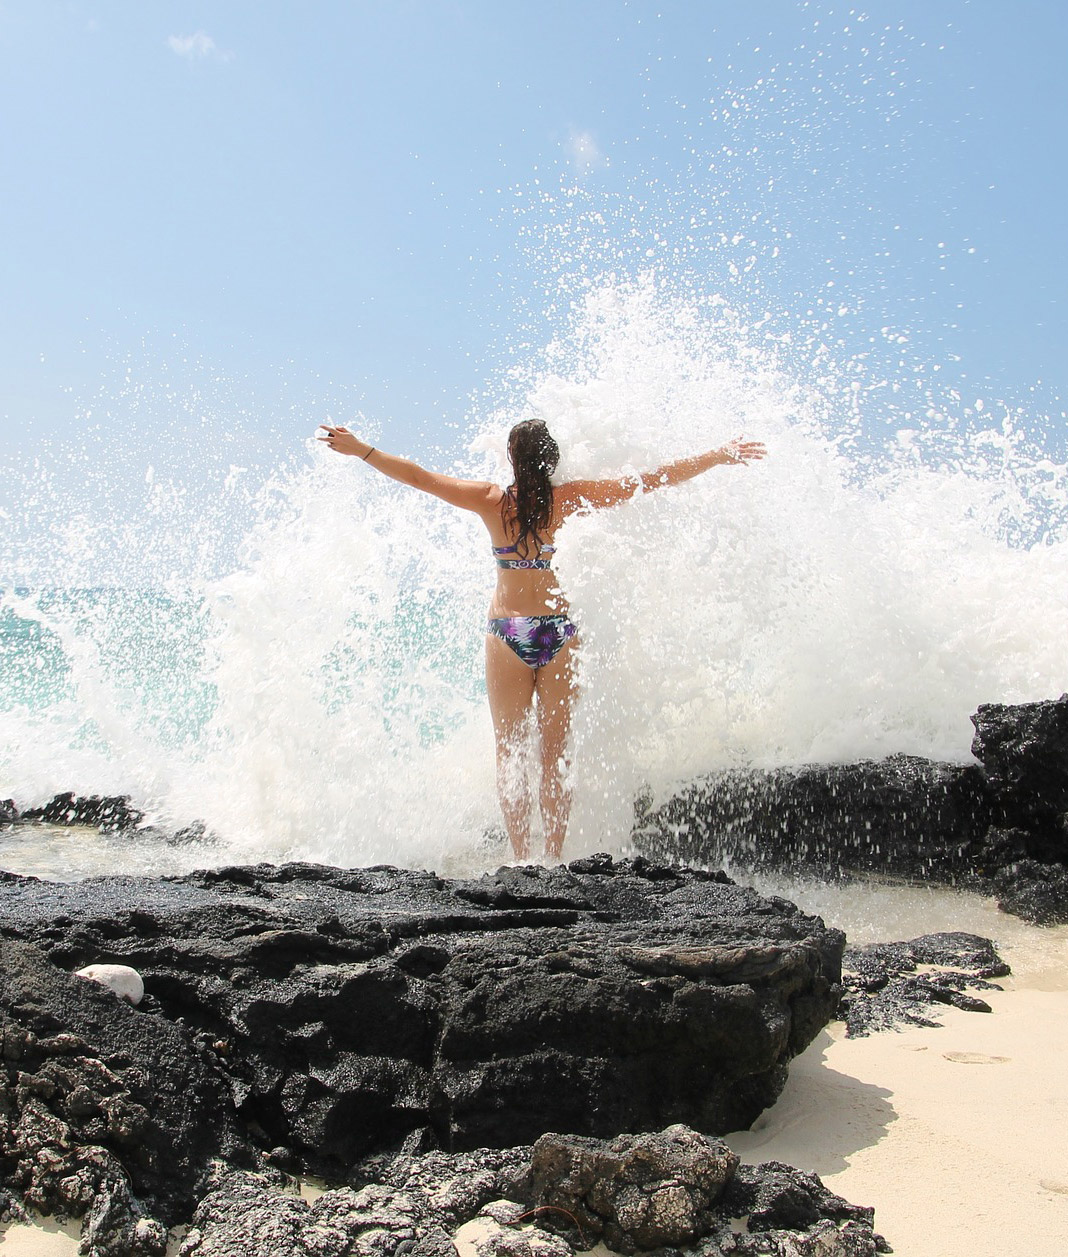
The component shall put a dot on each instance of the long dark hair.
(529, 502)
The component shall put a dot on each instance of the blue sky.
(296, 203)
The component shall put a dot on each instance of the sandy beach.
(956, 1134)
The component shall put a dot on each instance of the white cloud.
(583, 153)
(196, 47)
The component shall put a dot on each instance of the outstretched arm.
(470, 495)
(597, 494)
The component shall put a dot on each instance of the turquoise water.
(147, 646)
(152, 650)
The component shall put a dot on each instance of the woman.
(530, 640)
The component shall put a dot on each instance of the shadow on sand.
(821, 1119)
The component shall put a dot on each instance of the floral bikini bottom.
(536, 639)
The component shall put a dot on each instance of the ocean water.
(294, 658)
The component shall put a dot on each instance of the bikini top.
(540, 565)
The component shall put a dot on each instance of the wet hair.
(529, 502)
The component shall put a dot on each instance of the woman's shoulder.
(572, 496)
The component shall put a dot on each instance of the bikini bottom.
(536, 639)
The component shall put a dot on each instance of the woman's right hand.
(342, 441)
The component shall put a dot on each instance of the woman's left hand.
(341, 440)
(741, 451)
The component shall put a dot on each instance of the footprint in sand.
(975, 1058)
(1054, 1185)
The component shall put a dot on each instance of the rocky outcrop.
(1035, 891)
(243, 1215)
(671, 1192)
(886, 987)
(1024, 753)
(109, 814)
(999, 825)
(901, 814)
(635, 1192)
(102, 1108)
(310, 1016)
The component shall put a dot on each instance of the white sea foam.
(844, 598)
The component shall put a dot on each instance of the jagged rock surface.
(1034, 891)
(883, 988)
(244, 1215)
(316, 1015)
(902, 814)
(1000, 826)
(103, 1111)
(777, 1201)
(670, 1192)
(1024, 752)
(637, 1192)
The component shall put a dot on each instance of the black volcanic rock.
(108, 813)
(775, 1197)
(1024, 753)
(1037, 892)
(244, 1216)
(321, 1015)
(885, 987)
(101, 1107)
(982, 825)
(902, 814)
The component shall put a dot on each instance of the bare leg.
(555, 686)
(510, 687)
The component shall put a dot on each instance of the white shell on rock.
(124, 981)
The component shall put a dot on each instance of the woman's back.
(526, 584)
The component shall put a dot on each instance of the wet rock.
(902, 815)
(1036, 892)
(9, 813)
(636, 1192)
(345, 1011)
(1024, 753)
(110, 814)
(884, 987)
(963, 824)
(1001, 847)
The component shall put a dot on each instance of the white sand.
(44, 1238)
(958, 1136)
